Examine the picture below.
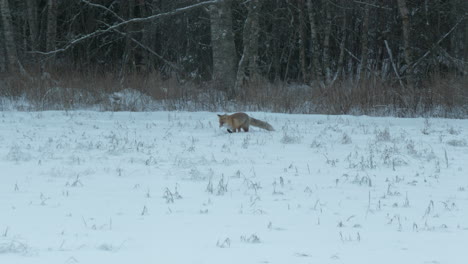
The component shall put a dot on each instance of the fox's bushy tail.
(261, 124)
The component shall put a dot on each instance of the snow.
(172, 187)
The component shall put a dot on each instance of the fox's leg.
(246, 128)
(229, 130)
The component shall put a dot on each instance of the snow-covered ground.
(171, 187)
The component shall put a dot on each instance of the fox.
(236, 121)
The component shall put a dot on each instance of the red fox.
(236, 121)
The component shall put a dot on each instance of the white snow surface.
(173, 187)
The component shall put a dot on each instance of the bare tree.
(223, 47)
(303, 40)
(339, 66)
(406, 39)
(466, 46)
(249, 56)
(51, 25)
(13, 63)
(464, 41)
(32, 23)
(314, 43)
(326, 40)
(364, 43)
(128, 56)
(254, 37)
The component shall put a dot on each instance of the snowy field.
(171, 187)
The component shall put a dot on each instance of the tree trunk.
(3, 56)
(250, 41)
(128, 59)
(406, 39)
(32, 23)
(364, 44)
(51, 25)
(464, 6)
(147, 39)
(51, 29)
(223, 47)
(317, 72)
(13, 63)
(339, 67)
(326, 41)
(466, 46)
(302, 35)
(254, 35)
(276, 49)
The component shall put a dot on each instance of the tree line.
(231, 43)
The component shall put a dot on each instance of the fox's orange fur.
(236, 121)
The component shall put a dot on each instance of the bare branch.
(390, 55)
(403, 100)
(125, 22)
(437, 43)
(103, 7)
(373, 5)
(172, 65)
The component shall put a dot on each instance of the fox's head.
(222, 120)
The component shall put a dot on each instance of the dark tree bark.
(223, 47)
(339, 67)
(32, 23)
(51, 35)
(249, 56)
(466, 45)
(51, 25)
(128, 64)
(314, 43)
(13, 63)
(326, 40)
(364, 44)
(303, 40)
(406, 39)
(254, 37)
(464, 41)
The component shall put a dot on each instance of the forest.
(387, 57)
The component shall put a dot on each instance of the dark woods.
(328, 56)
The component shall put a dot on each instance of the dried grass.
(442, 96)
